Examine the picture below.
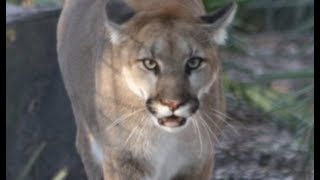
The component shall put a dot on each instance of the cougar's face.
(171, 72)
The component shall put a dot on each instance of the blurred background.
(269, 79)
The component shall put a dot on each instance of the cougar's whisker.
(136, 128)
(142, 129)
(208, 135)
(222, 114)
(123, 117)
(131, 134)
(228, 124)
(193, 126)
(200, 137)
(229, 117)
(209, 119)
(210, 131)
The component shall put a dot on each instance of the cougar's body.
(144, 86)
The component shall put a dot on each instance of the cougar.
(143, 78)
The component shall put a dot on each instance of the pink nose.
(172, 104)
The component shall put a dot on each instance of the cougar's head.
(170, 62)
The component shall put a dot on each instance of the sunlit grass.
(28, 166)
(61, 175)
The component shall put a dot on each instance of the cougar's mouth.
(172, 121)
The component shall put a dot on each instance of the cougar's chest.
(170, 155)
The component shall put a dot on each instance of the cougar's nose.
(172, 104)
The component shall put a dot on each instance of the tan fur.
(106, 84)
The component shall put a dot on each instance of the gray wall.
(37, 108)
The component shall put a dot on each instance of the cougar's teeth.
(172, 121)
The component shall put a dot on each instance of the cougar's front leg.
(93, 170)
(207, 171)
(203, 172)
(123, 166)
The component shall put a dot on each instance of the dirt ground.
(260, 150)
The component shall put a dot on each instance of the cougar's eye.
(193, 63)
(150, 64)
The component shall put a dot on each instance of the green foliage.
(211, 5)
(306, 73)
(287, 15)
(45, 2)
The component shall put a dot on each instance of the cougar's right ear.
(118, 13)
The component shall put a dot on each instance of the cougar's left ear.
(118, 13)
(218, 21)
